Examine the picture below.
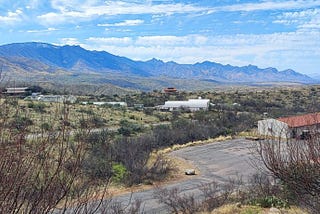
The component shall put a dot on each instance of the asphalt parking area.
(216, 161)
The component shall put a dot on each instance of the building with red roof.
(170, 90)
(290, 127)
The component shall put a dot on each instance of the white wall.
(191, 104)
(274, 128)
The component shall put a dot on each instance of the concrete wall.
(274, 128)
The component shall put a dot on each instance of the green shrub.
(132, 117)
(86, 111)
(37, 107)
(21, 123)
(119, 172)
(270, 201)
(46, 126)
(98, 121)
(128, 128)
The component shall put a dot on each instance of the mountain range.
(74, 65)
(315, 76)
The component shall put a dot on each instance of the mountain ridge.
(75, 60)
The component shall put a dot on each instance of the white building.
(290, 127)
(191, 104)
(56, 98)
(273, 127)
(20, 90)
(124, 104)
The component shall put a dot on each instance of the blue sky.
(266, 33)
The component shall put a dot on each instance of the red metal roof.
(168, 90)
(301, 120)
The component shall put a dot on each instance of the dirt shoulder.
(177, 174)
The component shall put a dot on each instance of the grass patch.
(194, 143)
(234, 209)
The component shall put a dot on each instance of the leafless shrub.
(296, 163)
(135, 154)
(177, 203)
(213, 195)
(120, 208)
(216, 194)
(42, 173)
(159, 168)
(113, 206)
(261, 185)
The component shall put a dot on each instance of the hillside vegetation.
(54, 154)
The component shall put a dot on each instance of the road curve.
(216, 161)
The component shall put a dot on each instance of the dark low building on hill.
(170, 90)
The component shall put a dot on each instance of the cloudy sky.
(266, 33)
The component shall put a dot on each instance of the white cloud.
(124, 23)
(71, 5)
(11, 17)
(50, 29)
(161, 41)
(171, 40)
(56, 18)
(269, 5)
(124, 41)
(303, 20)
(75, 11)
(69, 41)
(297, 50)
(32, 4)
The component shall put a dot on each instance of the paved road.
(217, 162)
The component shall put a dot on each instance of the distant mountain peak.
(252, 66)
(289, 71)
(205, 63)
(154, 60)
(74, 58)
